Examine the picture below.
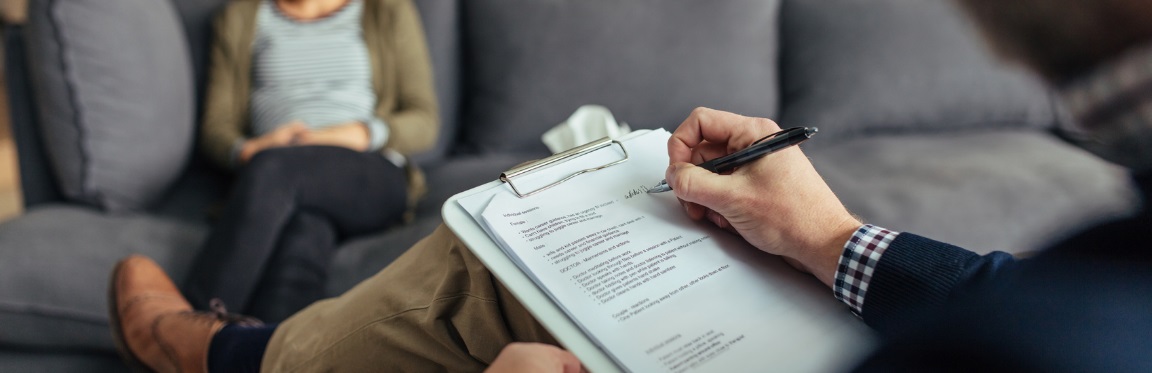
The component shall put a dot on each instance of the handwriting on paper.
(641, 190)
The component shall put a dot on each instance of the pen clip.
(778, 133)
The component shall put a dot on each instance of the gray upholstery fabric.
(115, 97)
(853, 66)
(531, 63)
(991, 190)
(196, 196)
(463, 173)
(55, 263)
(37, 183)
(24, 361)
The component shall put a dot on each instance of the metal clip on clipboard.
(529, 167)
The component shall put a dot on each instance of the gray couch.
(921, 130)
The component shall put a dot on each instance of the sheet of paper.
(656, 290)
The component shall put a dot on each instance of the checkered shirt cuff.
(858, 261)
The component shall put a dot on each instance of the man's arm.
(913, 275)
(782, 206)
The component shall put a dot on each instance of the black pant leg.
(297, 271)
(354, 192)
(233, 256)
(358, 192)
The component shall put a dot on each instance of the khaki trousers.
(436, 308)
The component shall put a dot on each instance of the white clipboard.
(508, 273)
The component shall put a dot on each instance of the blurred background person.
(314, 104)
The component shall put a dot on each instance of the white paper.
(656, 290)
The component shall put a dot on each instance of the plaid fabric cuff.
(861, 253)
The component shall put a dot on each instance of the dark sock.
(238, 348)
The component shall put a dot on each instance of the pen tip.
(808, 132)
(660, 188)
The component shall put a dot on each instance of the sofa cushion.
(79, 361)
(115, 97)
(1009, 190)
(854, 66)
(532, 62)
(445, 179)
(55, 263)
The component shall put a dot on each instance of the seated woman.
(314, 103)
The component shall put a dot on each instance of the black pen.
(762, 147)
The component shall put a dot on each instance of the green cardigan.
(401, 77)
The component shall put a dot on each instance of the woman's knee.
(275, 167)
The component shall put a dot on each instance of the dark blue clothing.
(238, 348)
(1082, 305)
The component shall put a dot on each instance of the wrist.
(249, 149)
(363, 136)
(862, 253)
(823, 257)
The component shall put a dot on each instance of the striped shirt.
(316, 72)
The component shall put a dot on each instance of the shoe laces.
(220, 312)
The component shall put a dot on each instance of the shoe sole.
(126, 354)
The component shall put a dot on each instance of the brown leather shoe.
(154, 327)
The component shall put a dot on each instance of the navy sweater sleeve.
(916, 274)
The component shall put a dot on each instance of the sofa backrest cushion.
(531, 63)
(113, 83)
(857, 66)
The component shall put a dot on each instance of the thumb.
(697, 185)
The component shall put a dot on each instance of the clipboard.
(514, 279)
(801, 306)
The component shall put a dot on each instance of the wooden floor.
(10, 201)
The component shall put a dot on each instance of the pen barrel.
(787, 138)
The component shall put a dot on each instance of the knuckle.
(768, 123)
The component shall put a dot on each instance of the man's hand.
(286, 135)
(778, 203)
(534, 358)
(351, 135)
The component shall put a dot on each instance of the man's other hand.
(533, 358)
(778, 203)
